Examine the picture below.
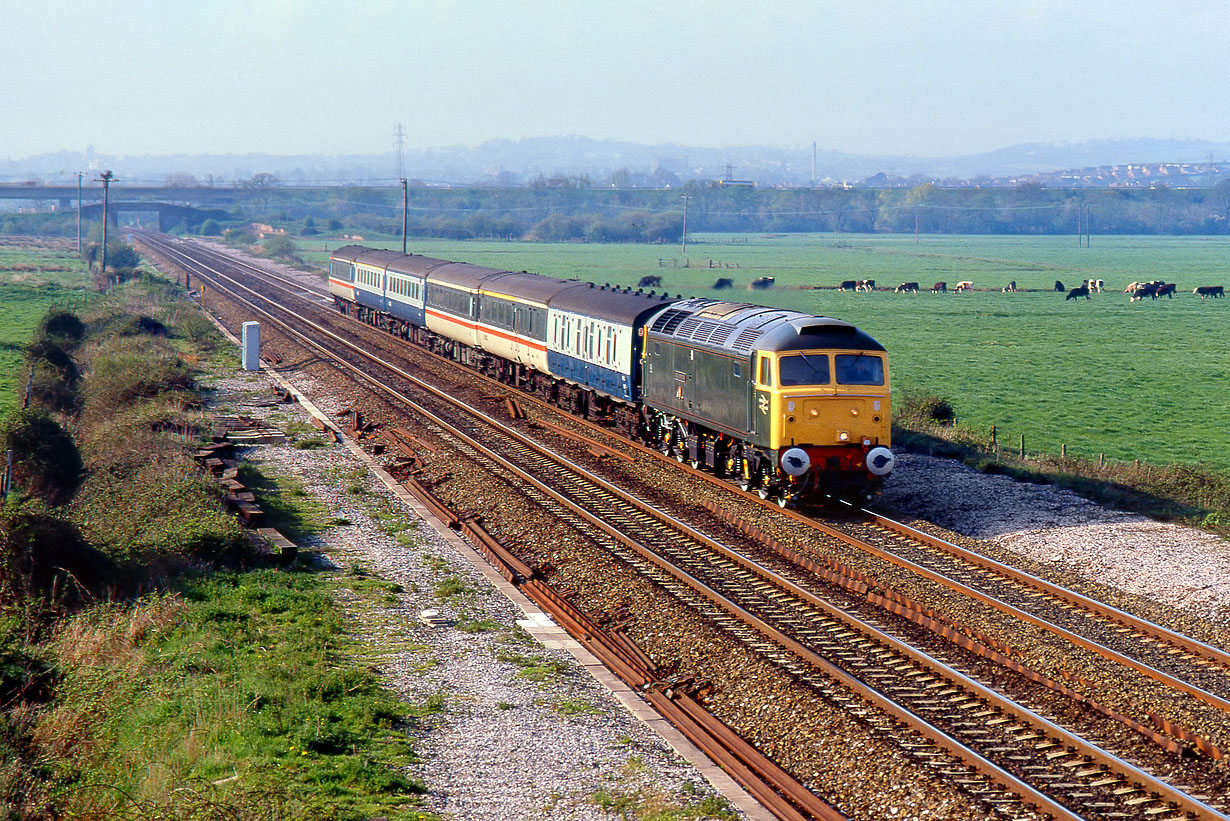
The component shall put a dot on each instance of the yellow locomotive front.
(825, 413)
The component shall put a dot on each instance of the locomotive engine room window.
(859, 369)
(803, 369)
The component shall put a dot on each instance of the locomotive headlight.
(854, 411)
(813, 413)
(843, 436)
(795, 461)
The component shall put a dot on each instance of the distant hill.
(518, 162)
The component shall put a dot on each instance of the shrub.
(44, 557)
(237, 236)
(925, 409)
(45, 459)
(170, 511)
(196, 328)
(211, 228)
(129, 368)
(63, 328)
(282, 247)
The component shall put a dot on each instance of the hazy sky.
(921, 77)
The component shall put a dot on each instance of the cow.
(867, 285)
(1096, 285)
(907, 288)
(1075, 293)
(1059, 286)
(1010, 288)
(939, 288)
(848, 285)
(649, 282)
(1210, 290)
(964, 285)
(722, 283)
(1131, 289)
(1166, 289)
(761, 284)
(1146, 289)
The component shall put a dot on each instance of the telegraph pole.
(685, 223)
(78, 213)
(106, 178)
(405, 206)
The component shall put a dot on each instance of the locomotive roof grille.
(743, 344)
(669, 321)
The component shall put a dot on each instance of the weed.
(470, 624)
(570, 708)
(504, 705)
(534, 668)
(451, 586)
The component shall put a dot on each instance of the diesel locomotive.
(788, 405)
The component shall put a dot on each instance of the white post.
(251, 346)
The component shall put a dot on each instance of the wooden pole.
(1022, 446)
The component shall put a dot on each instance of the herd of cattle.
(1137, 290)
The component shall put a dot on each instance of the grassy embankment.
(1106, 380)
(153, 662)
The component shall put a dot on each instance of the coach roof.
(415, 265)
(349, 252)
(621, 305)
(462, 275)
(377, 258)
(528, 287)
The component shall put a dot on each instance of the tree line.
(579, 213)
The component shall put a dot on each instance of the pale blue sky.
(920, 78)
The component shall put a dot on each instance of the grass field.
(30, 281)
(1131, 380)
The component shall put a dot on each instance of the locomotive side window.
(803, 369)
(859, 369)
(766, 371)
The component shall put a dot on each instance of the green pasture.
(31, 280)
(1131, 380)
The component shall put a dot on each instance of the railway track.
(1011, 757)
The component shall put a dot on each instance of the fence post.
(994, 441)
(1063, 451)
(1022, 446)
(1101, 460)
